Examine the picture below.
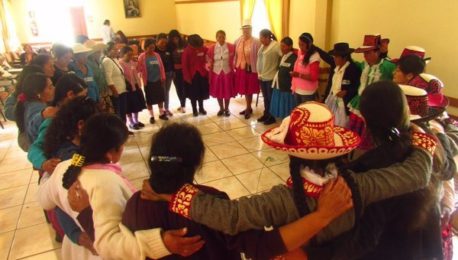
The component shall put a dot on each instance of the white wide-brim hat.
(79, 48)
(246, 24)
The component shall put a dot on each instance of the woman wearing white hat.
(82, 70)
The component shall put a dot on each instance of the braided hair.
(307, 38)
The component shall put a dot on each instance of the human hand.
(85, 241)
(77, 197)
(49, 112)
(335, 199)
(49, 165)
(341, 94)
(177, 243)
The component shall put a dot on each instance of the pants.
(194, 104)
(168, 84)
(304, 98)
(179, 87)
(120, 105)
(266, 88)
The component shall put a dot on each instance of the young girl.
(173, 163)
(167, 59)
(177, 45)
(153, 74)
(306, 70)
(135, 98)
(82, 70)
(63, 56)
(269, 55)
(283, 100)
(195, 73)
(46, 62)
(221, 59)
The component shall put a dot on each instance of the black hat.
(341, 49)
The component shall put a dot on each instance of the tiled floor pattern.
(236, 161)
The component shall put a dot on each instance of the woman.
(28, 55)
(108, 34)
(246, 73)
(269, 55)
(177, 45)
(46, 62)
(344, 81)
(120, 38)
(167, 60)
(283, 100)
(82, 70)
(221, 59)
(135, 98)
(306, 70)
(195, 74)
(152, 72)
(374, 68)
(62, 58)
(115, 80)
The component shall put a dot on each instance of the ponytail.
(73, 171)
(298, 186)
(268, 34)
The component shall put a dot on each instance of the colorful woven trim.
(424, 141)
(78, 160)
(181, 200)
(310, 189)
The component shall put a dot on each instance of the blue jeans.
(266, 89)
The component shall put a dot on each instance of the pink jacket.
(194, 61)
(211, 55)
(141, 67)
(254, 52)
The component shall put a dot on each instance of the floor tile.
(217, 138)
(32, 192)
(9, 218)
(209, 156)
(6, 239)
(32, 214)
(242, 133)
(282, 170)
(259, 180)
(33, 240)
(271, 157)
(15, 179)
(242, 163)
(253, 143)
(131, 155)
(209, 128)
(231, 186)
(50, 255)
(135, 170)
(228, 123)
(14, 164)
(212, 171)
(12, 197)
(227, 150)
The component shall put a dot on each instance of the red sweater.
(194, 61)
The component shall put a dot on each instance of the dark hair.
(308, 39)
(109, 46)
(125, 50)
(68, 82)
(106, 22)
(411, 64)
(59, 50)
(122, 36)
(267, 34)
(287, 40)
(33, 85)
(161, 36)
(195, 40)
(220, 31)
(181, 41)
(148, 42)
(81, 38)
(101, 133)
(64, 127)
(168, 176)
(41, 60)
(26, 71)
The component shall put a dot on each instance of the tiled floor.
(236, 162)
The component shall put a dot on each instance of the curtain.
(278, 12)
(10, 41)
(78, 20)
(246, 9)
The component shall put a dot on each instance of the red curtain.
(78, 20)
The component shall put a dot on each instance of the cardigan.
(255, 44)
(268, 60)
(167, 59)
(93, 91)
(114, 75)
(194, 61)
(211, 55)
(143, 70)
(130, 73)
(33, 118)
(10, 107)
(283, 79)
(99, 76)
(36, 155)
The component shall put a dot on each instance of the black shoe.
(164, 117)
(227, 113)
(269, 121)
(131, 133)
(195, 113)
(243, 112)
(248, 113)
(140, 124)
(263, 118)
(220, 113)
(134, 127)
(58, 238)
(152, 120)
(202, 112)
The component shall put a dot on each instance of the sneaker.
(152, 120)
(134, 127)
(202, 112)
(168, 113)
(269, 121)
(140, 124)
(263, 118)
(163, 117)
(220, 113)
(227, 113)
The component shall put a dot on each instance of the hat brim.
(433, 112)
(365, 49)
(246, 27)
(345, 140)
(337, 53)
(395, 61)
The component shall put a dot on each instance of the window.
(260, 18)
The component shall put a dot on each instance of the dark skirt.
(154, 92)
(135, 101)
(198, 89)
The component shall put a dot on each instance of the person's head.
(247, 30)
(27, 48)
(26, 71)
(176, 39)
(306, 46)
(126, 53)
(407, 68)
(81, 58)
(36, 88)
(150, 45)
(372, 57)
(162, 41)
(106, 22)
(68, 123)
(46, 62)
(221, 37)
(195, 41)
(121, 37)
(82, 39)
(266, 36)
(62, 54)
(68, 87)
(174, 161)
(286, 45)
(111, 50)
(102, 141)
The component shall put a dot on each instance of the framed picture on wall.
(131, 8)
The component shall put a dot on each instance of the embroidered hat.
(435, 97)
(417, 100)
(341, 49)
(309, 133)
(79, 48)
(371, 42)
(246, 24)
(413, 50)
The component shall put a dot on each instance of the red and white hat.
(371, 42)
(413, 50)
(417, 100)
(309, 133)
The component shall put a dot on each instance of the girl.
(32, 109)
(306, 70)
(246, 74)
(173, 163)
(177, 45)
(46, 62)
(135, 98)
(195, 73)
(28, 55)
(267, 63)
(221, 59)
(63, 56)
(283, 100)
(62, 141)
(79, 66)
(167, 60)
(153, 74)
